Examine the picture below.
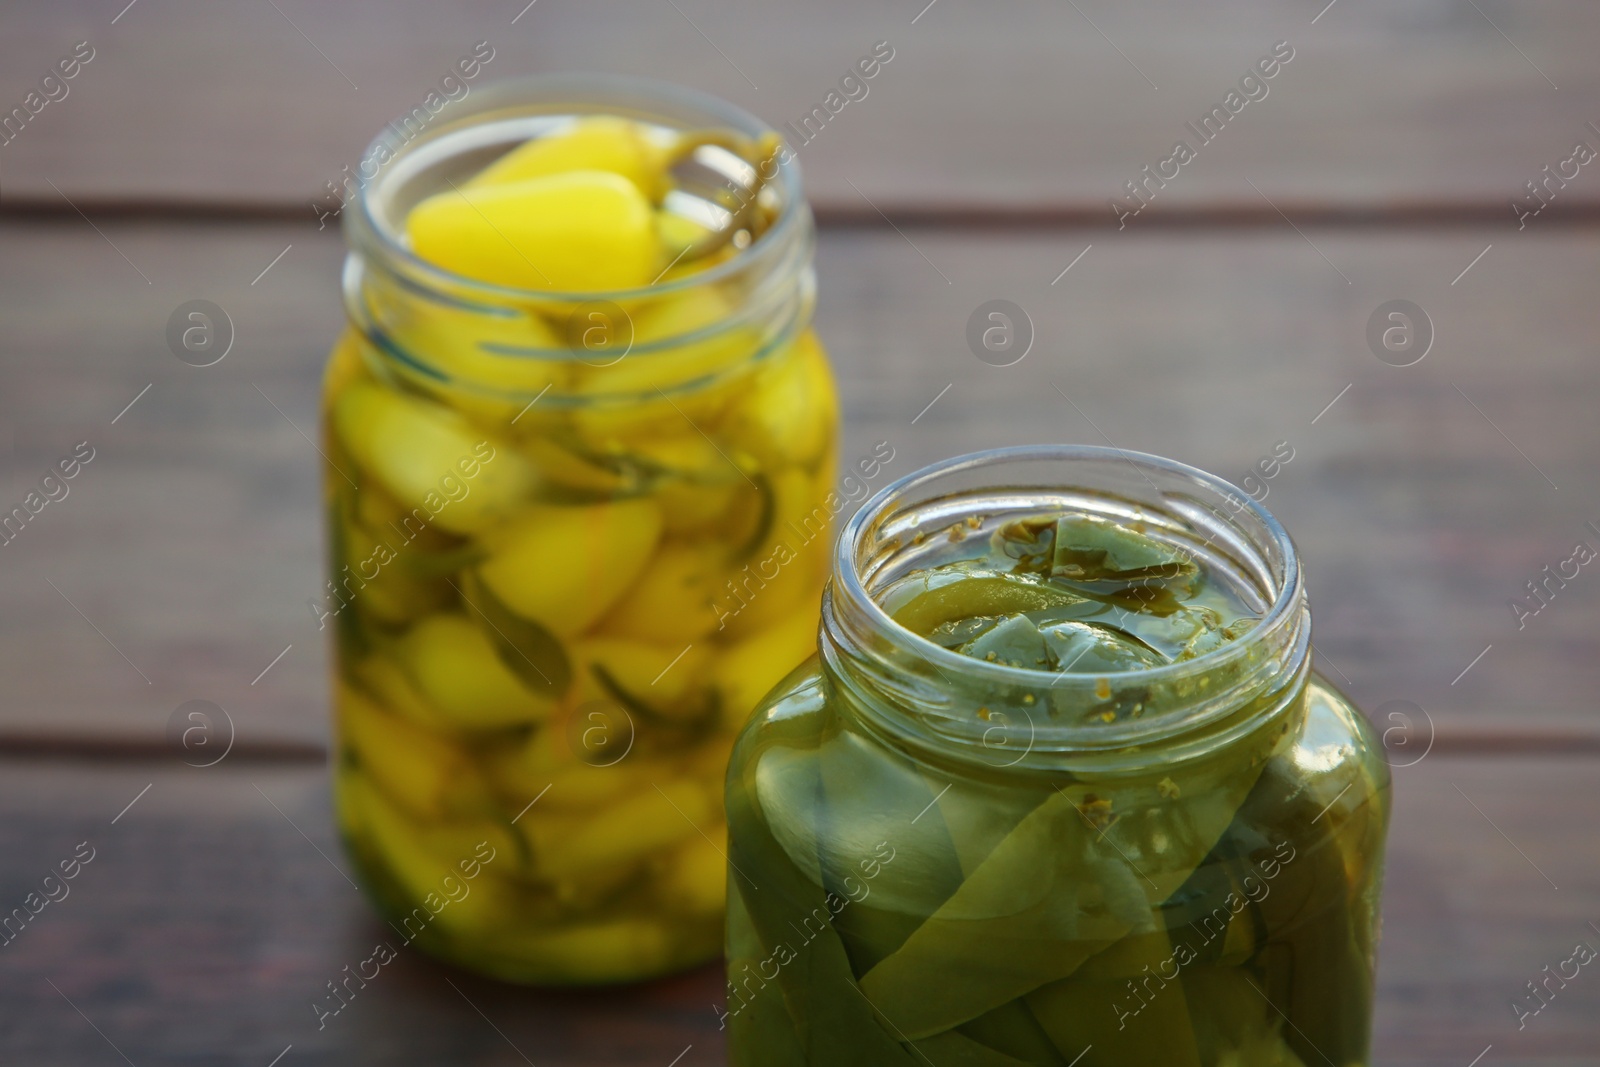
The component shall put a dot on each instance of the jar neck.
(696, 326)
(950, 706)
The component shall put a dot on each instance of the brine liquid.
(889, 908)
(549, 632)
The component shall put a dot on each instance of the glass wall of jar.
(1060, 788)
(565, 525)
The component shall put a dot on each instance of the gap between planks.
(20, 744)
(952, 214)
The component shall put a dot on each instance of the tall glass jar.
(939, 858)
(566, 552)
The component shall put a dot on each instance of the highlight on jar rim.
(1139, 545)
(1107, 585)
(577, 413)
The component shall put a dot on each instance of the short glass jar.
(543, 510)
(941, 858)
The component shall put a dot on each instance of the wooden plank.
(1472, 911)
(1029, 104)
(191, 542)
(1419, 520)
(1419, 515)
(206, 925)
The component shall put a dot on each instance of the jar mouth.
(1172, 498)
(532, 105)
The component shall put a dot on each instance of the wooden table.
(1228, 316)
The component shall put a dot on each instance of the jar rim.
(364, 231)
(847, 560)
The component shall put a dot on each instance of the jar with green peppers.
(578, 403)
(1061, 788)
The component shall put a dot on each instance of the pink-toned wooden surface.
(1423, 498)
(1023, 103)
(192, 539)
(206, 926)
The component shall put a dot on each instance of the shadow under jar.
(1060, 788)
(540, 505)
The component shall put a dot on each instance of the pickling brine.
(1060, 788)
(579, 401)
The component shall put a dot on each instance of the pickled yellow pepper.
(549, 624)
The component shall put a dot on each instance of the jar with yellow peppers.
(578, 399)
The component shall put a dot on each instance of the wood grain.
(192, 540)
(1228, 316)
(206, 926)
(1025, 104)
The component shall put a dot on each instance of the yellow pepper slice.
(491, 373)
(429, 458)
(626, 401)
(598, 142)
(551, 758)
(433, 861)
(747, 671)
(672, 602)
(568, 469)
(423, 771)
(346, 364)
(692, 507)
(388, 682)
(630, 831)
(383, 589)
(785, 570)
(791, 412)
(697, 481)
(456, 667)
(665, 681)
(563, 567)
(618, 950)
(376, 510)
(678, 233)
(577, 231)
(696, 878)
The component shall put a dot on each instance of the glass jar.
(937, 858)
(563, 557)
